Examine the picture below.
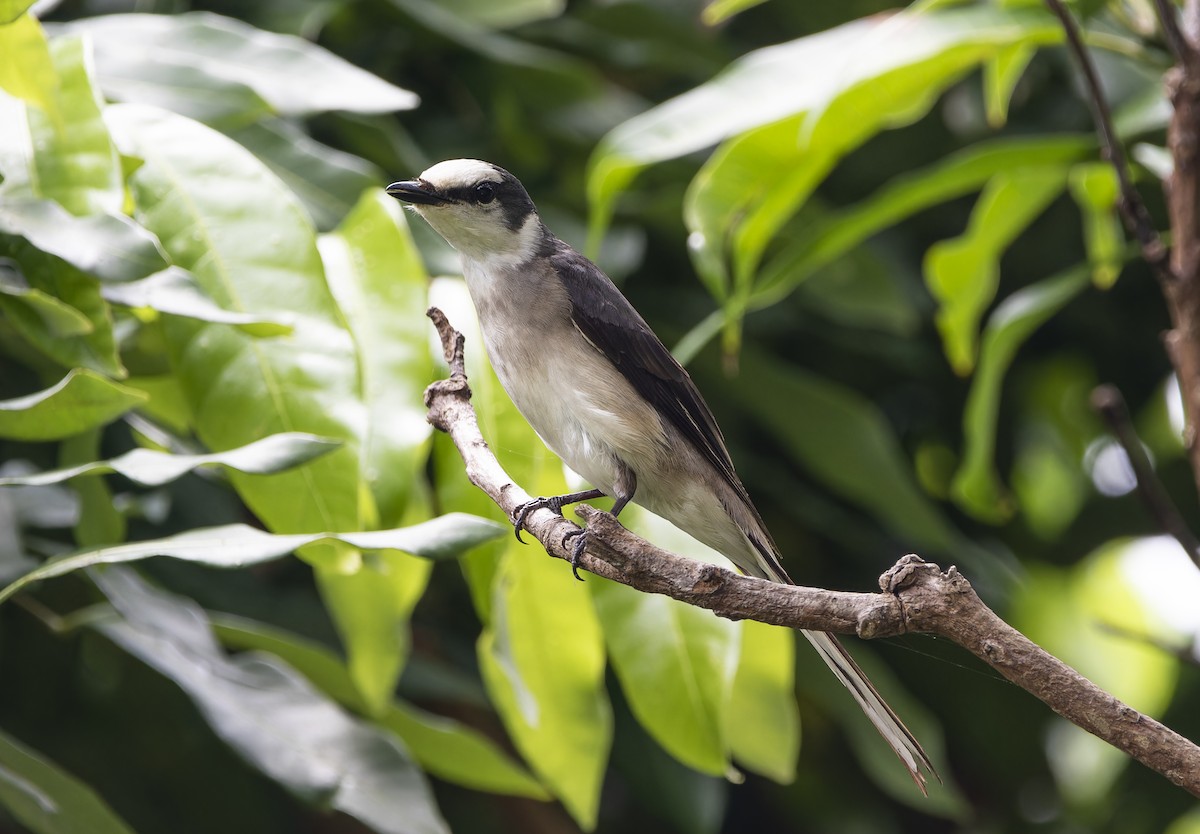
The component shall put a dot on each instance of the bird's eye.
(485, 192)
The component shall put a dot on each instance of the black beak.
(417, 192)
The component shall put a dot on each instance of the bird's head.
(480, 209)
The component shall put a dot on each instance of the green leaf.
(271, 715)
(763, 719)
(26, 69)
(150, 468)
(174, 291)
(976, 487)
(169, 59)
(844, 440)
(100, 522)
(111, 247)
(45, 799)
(1096, 190)
(963, 273)
(675, 662)
(10, 10)
(443, 747)
(1000, 76)
(220, 214)
(961, 173)
(73, 159)
(719, 11)
(80, 400)
(239, 545)
(376, 277)
(327, 180)
(507, 14)
(46, 277)
(890, 64)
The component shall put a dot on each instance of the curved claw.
(577, 549)
(525, 509)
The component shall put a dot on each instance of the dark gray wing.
(616, 329)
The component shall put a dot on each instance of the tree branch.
(917, 596)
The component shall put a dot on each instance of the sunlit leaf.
(718, 11)
(963, 273)
(38, 314)
(80, 400)
(976, 487)
(442, 746)
(165, 59)
(10, 10)
(1096, 190)
(239, 545)
(112, 247)
(150, 468)
(271, 715)
(676, 662)
(26, 69)
(175, 292)
(45, 799)
(763, 719)
(892, 63)
(1000, 77)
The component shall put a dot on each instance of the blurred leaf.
(26, 69)
(271, 715)
(1155, 159)
(843, 439)
(46, 799)
(676, 662)
(375, 275)
(891, 64)
(1000, 76)
(79, 400)
(504, 14)
(238, 545)
(174, 291)
(327, 180)
(763, 721)
(220, 214)
(976, 487)
(719, 11)
(273, 453)
(1096, 190)
(41, 277)
(961, 173)
(10, 10)
(100, 522)
(64, 153)
(443, 747)
(168, 58)
(964, 272)
(376, 278)
(112, 247)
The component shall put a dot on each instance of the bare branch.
(1133, 209)
(1109, 403)
(917, 596)
(1176, 42)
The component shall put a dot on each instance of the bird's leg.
(552, 502)
(624, 489)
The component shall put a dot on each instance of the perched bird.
(604, 393)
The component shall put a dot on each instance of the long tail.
(881, 715)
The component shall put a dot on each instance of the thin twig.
(1109, 404)
(1176, 42)
(1132, 208)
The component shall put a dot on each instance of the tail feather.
(877, 710)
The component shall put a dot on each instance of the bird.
(605, 394)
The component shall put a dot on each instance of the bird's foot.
(580, 537)
(551, 502)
